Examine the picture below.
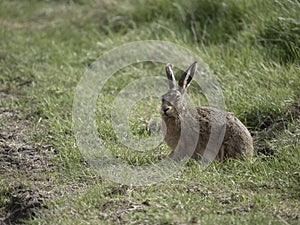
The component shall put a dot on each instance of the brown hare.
(204, 132)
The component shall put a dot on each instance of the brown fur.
(237, 141)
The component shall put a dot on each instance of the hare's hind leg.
(221, 154)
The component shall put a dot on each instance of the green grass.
(251, 46)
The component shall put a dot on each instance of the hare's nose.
(166, 109)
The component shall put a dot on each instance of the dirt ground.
(20, 162)
(271, 126)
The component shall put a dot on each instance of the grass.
(251, 46)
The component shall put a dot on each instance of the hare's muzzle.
(165, 110)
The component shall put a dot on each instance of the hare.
(204, 132)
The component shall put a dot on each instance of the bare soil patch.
(23, 203)
(20, 159)
(273, 125)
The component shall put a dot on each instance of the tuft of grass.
(281, 35)
(207, 22)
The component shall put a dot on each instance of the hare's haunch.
(183, 125)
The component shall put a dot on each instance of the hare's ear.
(170, 76)
(186, 77)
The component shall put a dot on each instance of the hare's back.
(237, 139)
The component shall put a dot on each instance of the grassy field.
(252, 47)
